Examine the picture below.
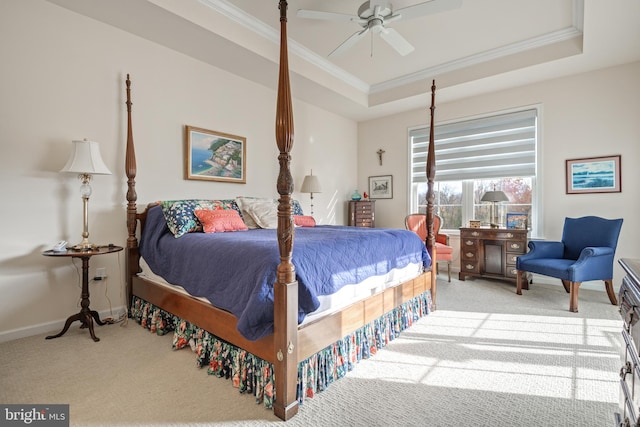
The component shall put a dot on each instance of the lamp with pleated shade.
(85, 160)
(311, 185)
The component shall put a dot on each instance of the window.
(496, 152)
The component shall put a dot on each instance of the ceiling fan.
(373, 15)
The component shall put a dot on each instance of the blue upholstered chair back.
(578, 233)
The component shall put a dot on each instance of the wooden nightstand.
(86, 315)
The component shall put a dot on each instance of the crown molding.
(264, 30)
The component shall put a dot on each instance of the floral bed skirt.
(251, 374)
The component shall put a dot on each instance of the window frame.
(537, 219)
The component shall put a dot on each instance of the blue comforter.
(236, 271)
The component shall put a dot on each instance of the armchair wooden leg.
(449, 271)
(519, 279)
(573, 296)
(566, 283)
(612, 295)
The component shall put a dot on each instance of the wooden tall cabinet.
(362, 213)
(491, 252)
(629, 409)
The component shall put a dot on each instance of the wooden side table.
(86, 315)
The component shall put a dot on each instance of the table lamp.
(85, 160)
(494, 197)
(311, 185)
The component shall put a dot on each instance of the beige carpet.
(487, 357)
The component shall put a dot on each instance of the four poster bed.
(286, 352)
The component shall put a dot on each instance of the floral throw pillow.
(180, 214)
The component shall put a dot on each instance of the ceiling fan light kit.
(373, 15)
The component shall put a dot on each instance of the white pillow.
(243, 203)
(264, 212)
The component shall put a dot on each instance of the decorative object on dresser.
(629, 409)
(381, 187)
(85, 160)
(418, 224)
(491, 252)
(494, 197)
(585, 253)
(86, 316)
(593, 175)
(311, 185)
(362, 213)
(215, 156)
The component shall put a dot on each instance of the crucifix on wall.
(380, 153)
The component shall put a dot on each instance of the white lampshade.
(85, 159)
(311, 184)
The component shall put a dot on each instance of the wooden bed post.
(132, 251)
(285, 405)
(431, 173)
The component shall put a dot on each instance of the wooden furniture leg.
(573, 296)
(610, 292)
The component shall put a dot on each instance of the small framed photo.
(518, 220)
(594, 175)
(381, 187)
(214, 156)
(474, 223)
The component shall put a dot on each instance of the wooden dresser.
(629, 300)
(491, 252)
(362, 213)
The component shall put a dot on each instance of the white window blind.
(503, 145)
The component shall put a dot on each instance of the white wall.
(62, 78)
(587, 115)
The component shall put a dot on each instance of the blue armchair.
(585, 253)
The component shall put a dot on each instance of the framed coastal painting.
(593, 175)
(214, 156)
(518, 220)
(381, 187)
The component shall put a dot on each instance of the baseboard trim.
(49, 327)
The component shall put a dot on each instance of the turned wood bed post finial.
(431, 173)
(130, 170)
(285, 292)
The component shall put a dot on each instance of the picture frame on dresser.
(381, 187)
(593, 175)
(517, 220)
(214, 156)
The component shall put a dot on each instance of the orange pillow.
(219, 220)
(304, 221)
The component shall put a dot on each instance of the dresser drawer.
(467, 244)
(469, 266)
(512, 258)
(518, 247)
(469, 254)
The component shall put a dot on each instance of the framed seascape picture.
(381, 187)
(594, 175)
(214, 156)
(517, 220)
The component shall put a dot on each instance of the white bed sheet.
(347, 295)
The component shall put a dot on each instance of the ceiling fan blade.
(426, 8)
(328, 16)
(348, 43)
(396, 41)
